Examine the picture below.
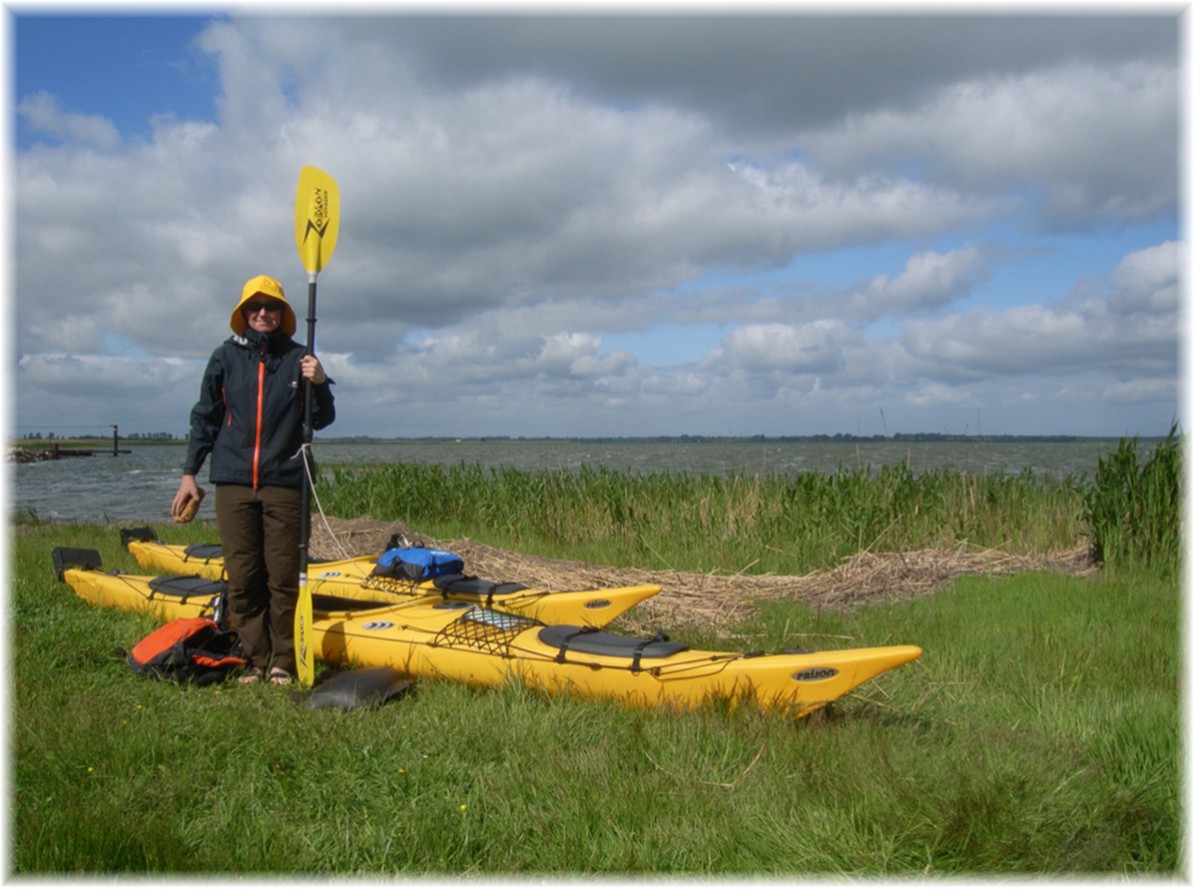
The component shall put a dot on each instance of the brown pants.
(260, 542)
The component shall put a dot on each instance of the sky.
(597, 223)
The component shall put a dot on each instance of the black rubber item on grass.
(360, 688)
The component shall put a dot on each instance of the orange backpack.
(188, 650)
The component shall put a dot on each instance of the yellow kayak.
(480, 646)
(352, 579)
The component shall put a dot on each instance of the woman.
(250, 418)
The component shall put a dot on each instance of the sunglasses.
(273, 306)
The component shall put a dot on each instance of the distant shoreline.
(816, 439)
(822, 439)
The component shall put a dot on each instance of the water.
(139, 486)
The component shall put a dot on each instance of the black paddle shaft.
(308, 425)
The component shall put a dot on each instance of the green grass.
(1134, 509)
(700, 523)
(1038, 735)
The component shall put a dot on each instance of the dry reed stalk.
(718, 602)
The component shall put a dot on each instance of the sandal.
(280, 677)
(254, 676)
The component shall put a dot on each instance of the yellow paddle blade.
(305, 668)
(316, 218)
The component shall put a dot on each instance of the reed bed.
(717, 601)
(756, 524)
(1134, 510)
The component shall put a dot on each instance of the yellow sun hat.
(266, 286)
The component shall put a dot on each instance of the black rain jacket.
(250, 415)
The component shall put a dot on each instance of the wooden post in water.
(115, 439)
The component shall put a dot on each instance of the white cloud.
(796, 209)
(930, 394)
(1148, 280)
(1141, 391)
(508, 214)
(1038, 131)
(929, 281)
(1141, 336)
(42, 115)
(812, 348)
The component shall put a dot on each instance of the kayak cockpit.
(592, 641)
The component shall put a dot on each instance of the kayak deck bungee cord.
(480, 646)
(353, 579)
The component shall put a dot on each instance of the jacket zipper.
(262, 365)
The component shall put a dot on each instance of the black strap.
(185, 587)
(459, 585)
(636, 667)
(561, 657)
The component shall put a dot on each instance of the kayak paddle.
(316, 236)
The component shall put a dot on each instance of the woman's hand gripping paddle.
(316, 236)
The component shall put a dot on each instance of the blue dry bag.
(417, 563)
